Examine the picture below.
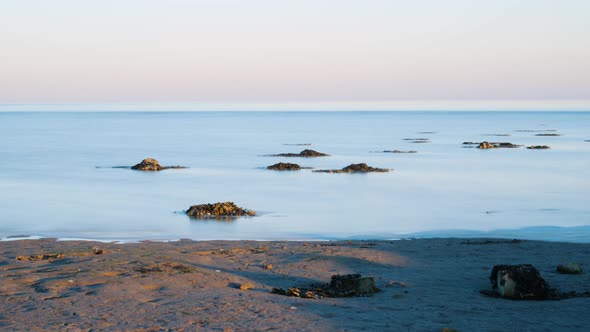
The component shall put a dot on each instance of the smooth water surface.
(57, 180)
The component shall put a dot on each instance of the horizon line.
(328, 106)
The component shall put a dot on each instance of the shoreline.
(426, 285)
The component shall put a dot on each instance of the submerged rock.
(355, 168)
(496, 145)
(399, 151)
(284, 167)
(418, 140)
(348, 285)
(519, 282)
(151, 164)
(570, 268)
(538, 147)
(218, 210)
(307, 153)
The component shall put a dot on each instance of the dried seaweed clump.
(348, 285)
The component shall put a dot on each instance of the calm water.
(50, 185)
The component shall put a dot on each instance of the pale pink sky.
(300, 52)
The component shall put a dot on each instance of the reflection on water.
(51, 186)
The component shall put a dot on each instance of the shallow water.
(56, 178)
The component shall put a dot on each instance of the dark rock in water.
(470, 143)
(348, 285)
(399, 151)
(307, 153)
(148, 164)
(496, 145)
(418, 140)
(538, 147)
(355, 168)
(218, 210)
(519, 282)
(498, 135)
(570, 268)
(548, 135)
(151, 164)
(284, 167)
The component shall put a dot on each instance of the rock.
(418, 140)
(399, 151)
(355, 168)
(267, 266)
(496, 145)
(538, 147)
(470, 143)
(148, 164)
(152, 165)
(307, 153)
(519, 282)
(246, 286)
(570, 268)
(98, 251)
(284, 167)
(547, 134)
(216, 210)
(348, 285)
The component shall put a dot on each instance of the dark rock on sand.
(570, 268)
(519, 282)
(284, 167)
(497, 145)
(355, 168)
(218, 210)
(307, 153)
(151, 164)
(348, 285)
(548, 135)
(538, 147)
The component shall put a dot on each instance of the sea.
(61, 175)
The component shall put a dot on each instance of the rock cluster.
(284, 167)
(496, 145)
(307, 153)
(348, 285)
(355, 168)
(218, 210)
(152, 165)
(42, 257)
(538, 147)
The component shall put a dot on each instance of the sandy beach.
(426, 285)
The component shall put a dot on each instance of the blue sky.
(318, 53)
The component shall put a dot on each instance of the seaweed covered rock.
(519, 282)
(355, 168)
(218, 210)
(307, 153)
(348, 285)
(496, 145)
(538, 147)
(148, 164)
(284, 167)
(151, 165)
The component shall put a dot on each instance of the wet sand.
(426, 285)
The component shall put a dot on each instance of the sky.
(366, 54)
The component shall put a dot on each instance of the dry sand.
(426, 285)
